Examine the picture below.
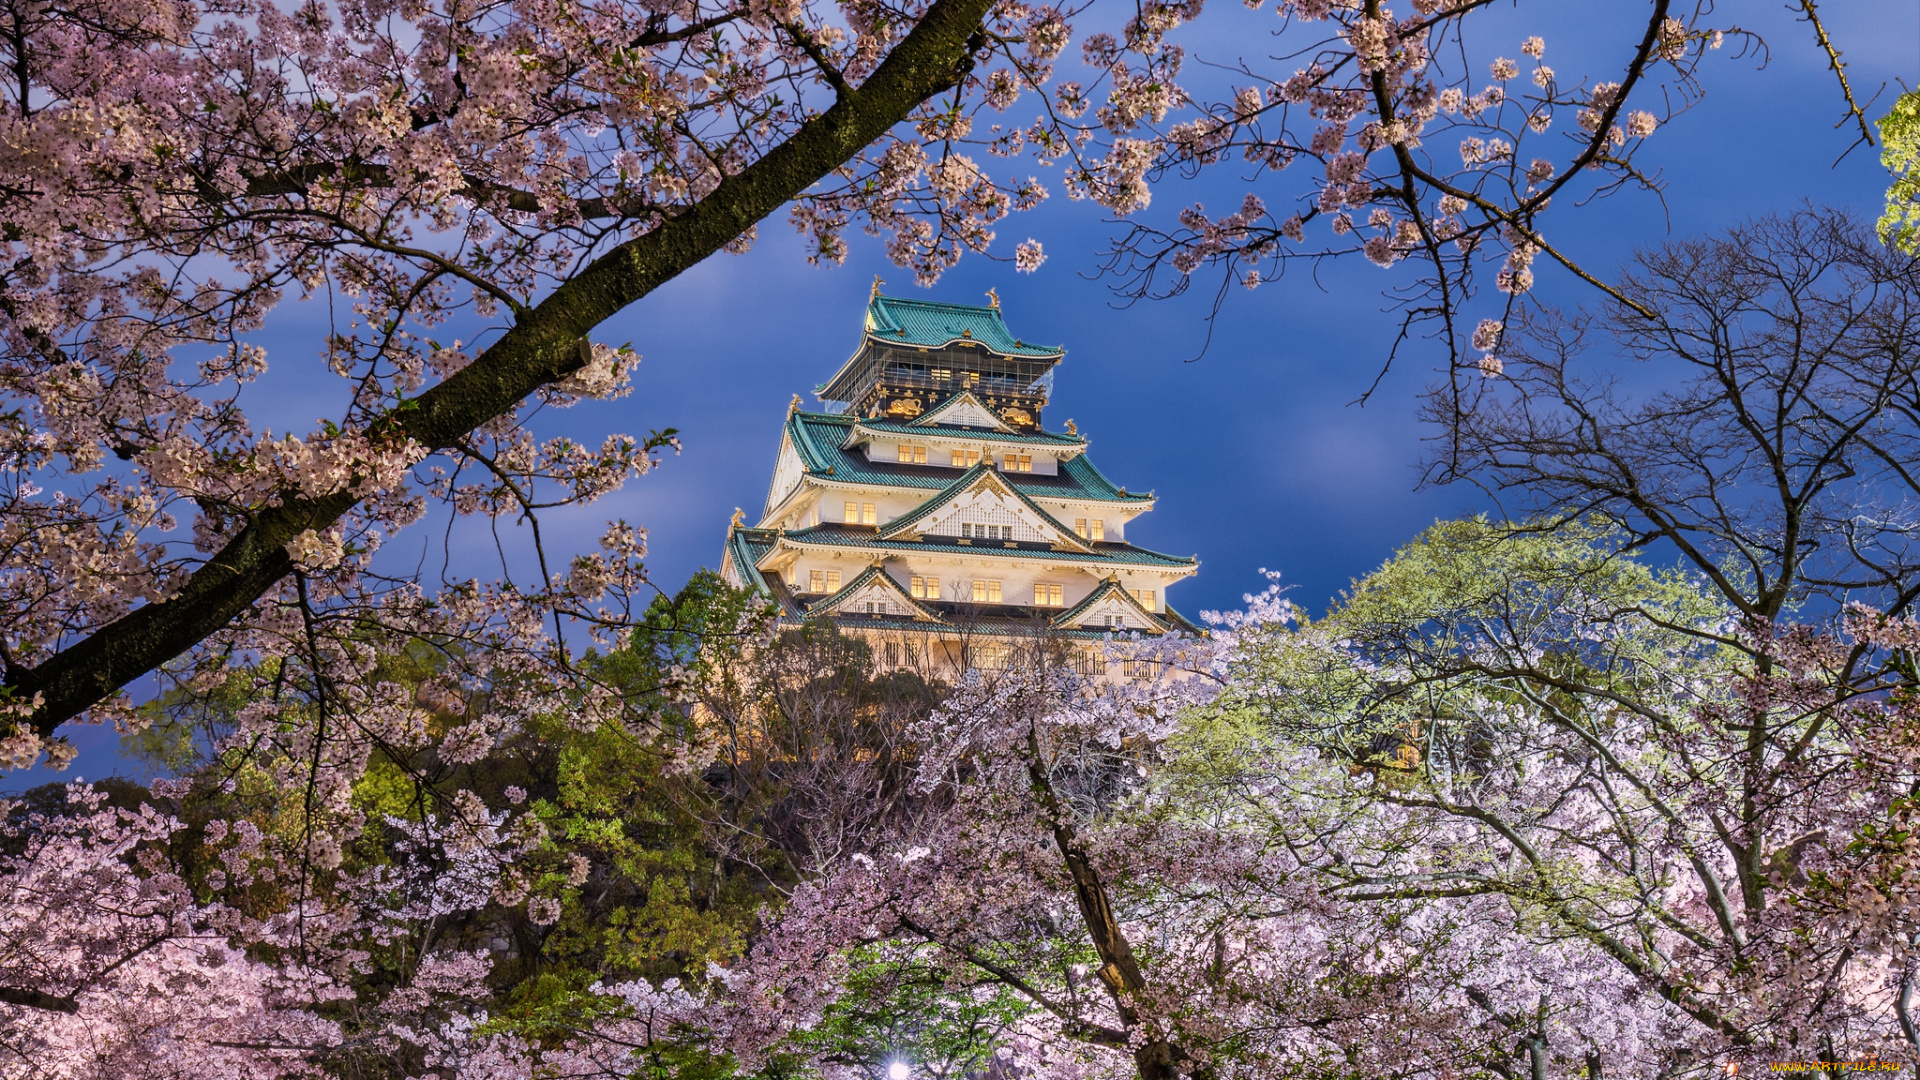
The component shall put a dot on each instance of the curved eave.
(1106, 562)
(823, 606)
(1106, 590)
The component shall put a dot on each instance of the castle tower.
(927, 507)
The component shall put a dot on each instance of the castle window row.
(915, 454)
(1090, 528)
(861, 514)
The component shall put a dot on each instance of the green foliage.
(898, 1007)
(1471, 620)
(1900, 152)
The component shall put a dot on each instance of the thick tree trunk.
(1157, 1058)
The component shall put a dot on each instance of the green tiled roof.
(922, 322)
(864, 539)
(747, 547)
(818, 438)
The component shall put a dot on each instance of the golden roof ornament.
(993, 299)
(1071, 430)
(877, 282)
(739, 517)
(794, 405)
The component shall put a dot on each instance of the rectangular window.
(919, 455)
(965, 459)
(925, 588)
(853, 514)
(1080, 528)
(906, 454)
(993, 592)
(1138, 669)
(990, 655)
(1145, 596)
(816, 581)
(1116, 622)
(867, 516)
(833, 581)
(1017, 463)
(1098, 528)
(913, 455)
(942, 373)
(1046, 595)
(986, 592)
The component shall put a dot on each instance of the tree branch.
(541, 348)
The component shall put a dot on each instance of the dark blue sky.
(1256, 456)
(1254, 451)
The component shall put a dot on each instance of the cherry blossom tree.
(1643, 776)
(1404, 136)
(511, 175)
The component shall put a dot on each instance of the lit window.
(986, 592)
(925, 588)
(942, 373)
(906, 454)
(912, 455)
(816, 581)
(965, 459)
(1046, 595)
(833, 581)
(1145, 596)
(1080, 528)
(853, 514)
(990, 655)
(867, 516)
(1017, 463)
(919, 455)
(1099, 529)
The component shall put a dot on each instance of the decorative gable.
(982, 507)
(962, 410)
(1110, 607)
(874, 593)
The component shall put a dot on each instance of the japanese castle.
(926, 505)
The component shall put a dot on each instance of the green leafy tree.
(1900, 152)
